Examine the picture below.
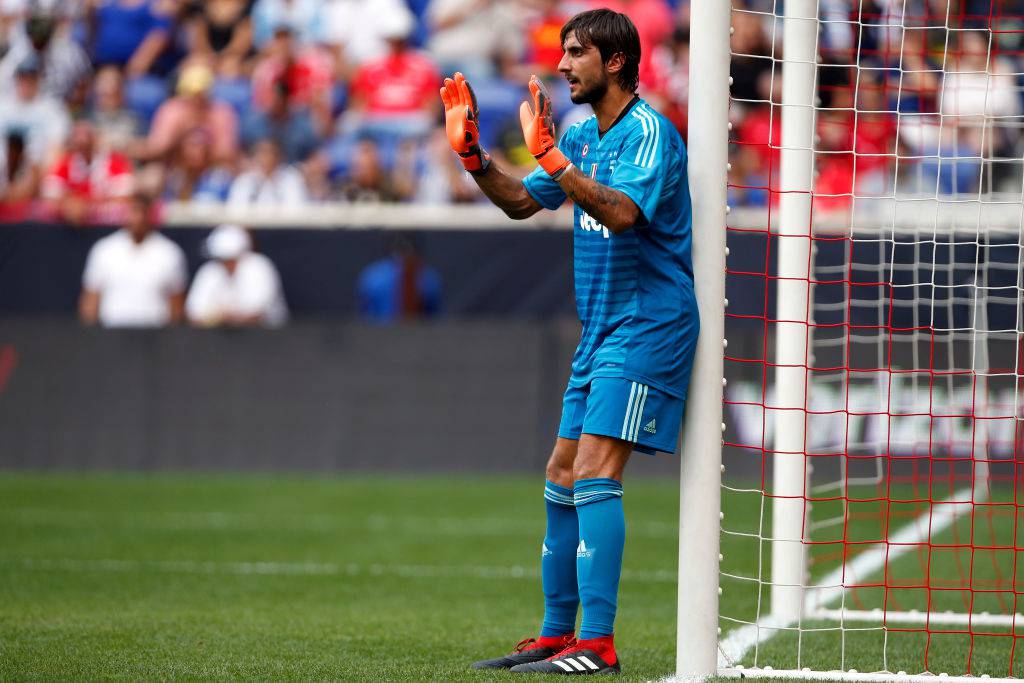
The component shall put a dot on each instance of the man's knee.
(560, 464)
(600, 457)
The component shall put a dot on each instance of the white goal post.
(864, 524)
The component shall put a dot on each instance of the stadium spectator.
(393, 98)
(473, 36)
(543, 21)
(440, 178)
(131, 34)
(222, 28)
(192, 108)
(355, 29)
(19, 178)
(977, 87)
(317, 173)
(134, 277)
(307, 73)
(367, 180)
(751, 62)
(399, 286)
(65, 65)
(237, 287)
(671, 88)
(268, 182)
(653, 21)
(12, 15)
(39, 120)
(191, 176)
(303, 17)
(116, 125)
(292, 126)
(86, 179)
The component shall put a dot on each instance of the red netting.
(913, 442)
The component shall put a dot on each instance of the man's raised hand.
(539, 130)
(460, 119)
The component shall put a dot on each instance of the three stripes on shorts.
(634, 410)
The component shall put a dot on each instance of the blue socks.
(558, 562)
(581, 559)
(602, 537)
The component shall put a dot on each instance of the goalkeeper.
(624, 168)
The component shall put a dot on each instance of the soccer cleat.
(529, 650)
(579, 659)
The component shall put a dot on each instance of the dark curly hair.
(611, 33)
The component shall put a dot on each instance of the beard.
(592, 94)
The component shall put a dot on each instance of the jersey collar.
(622, 115)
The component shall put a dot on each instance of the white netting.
(907, 482)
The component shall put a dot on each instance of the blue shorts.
(624, 409)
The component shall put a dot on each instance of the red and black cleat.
(587, 657)
(528, 651)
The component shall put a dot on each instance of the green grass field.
(266, 577)
(298, 578)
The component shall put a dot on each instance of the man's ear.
(615, 63)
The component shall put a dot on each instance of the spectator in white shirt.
(237, 287)
(356, 29)
(268, 182)
(33, 126)
(135, 277)
(65, 66)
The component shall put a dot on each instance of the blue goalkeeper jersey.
(634, 291)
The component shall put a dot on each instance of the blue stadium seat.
(499, 102)
(144, 95)
(236, 92)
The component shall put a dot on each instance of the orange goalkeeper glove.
(539, 130)
(460, 116)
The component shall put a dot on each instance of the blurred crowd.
(273, 102)
(914, 97)
(293, 102)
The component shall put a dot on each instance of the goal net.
(872, 492)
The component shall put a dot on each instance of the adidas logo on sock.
(651, 426)
(582, 551)
(544, 552)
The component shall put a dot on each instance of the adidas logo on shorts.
(651, 427)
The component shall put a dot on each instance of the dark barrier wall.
(320, 396)
(485, 273)
(448, 396)
(528, 274)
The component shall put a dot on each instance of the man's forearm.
(506, 192)
(612, 208)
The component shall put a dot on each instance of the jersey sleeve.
(642, 167)
(539, 184)
(546, 191)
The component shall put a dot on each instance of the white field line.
(409, 571)
(313, 523)
(735, 646)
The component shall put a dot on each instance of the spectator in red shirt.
(308, 71)
(87, 182)
(654, 22)
(394, 98)
(544, 37)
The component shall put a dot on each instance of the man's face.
(83, 138)
(138, 220)
(266, 157)
(585, 71)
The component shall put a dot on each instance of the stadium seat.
(237, 92)
(144, 95)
